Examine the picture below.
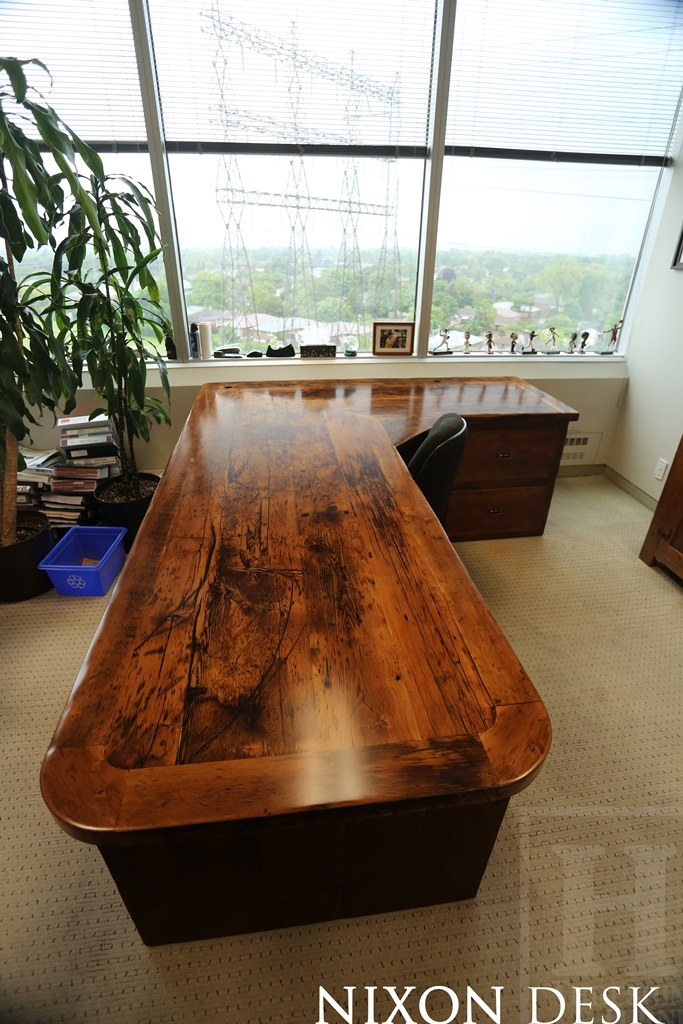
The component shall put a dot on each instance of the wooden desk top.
(293, 630)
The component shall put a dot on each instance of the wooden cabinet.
(516, 439)
(491, 512)
(664, 541)
(506, 478)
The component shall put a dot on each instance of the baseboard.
(635, 492)
(591, 470)
(613, 477)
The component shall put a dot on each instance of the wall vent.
(580, 448)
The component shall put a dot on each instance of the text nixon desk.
(297, 706)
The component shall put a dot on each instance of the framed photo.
(393, 338)
(678, 255)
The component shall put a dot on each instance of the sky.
(527, 206)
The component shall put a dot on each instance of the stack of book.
(33, 481)
(65, 510)
(86, 442)
(28, 496)
(88, 455)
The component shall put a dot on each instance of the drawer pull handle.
(495, 511)
(504, 455)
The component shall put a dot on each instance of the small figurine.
(489, 342)
(613, 332)
(445, 335)
(466, 341)
(584, 338)
(529, 349)
(514, 338)
(552, 336)
(572, 343)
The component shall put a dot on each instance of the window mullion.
(431, 195)
(149, 88)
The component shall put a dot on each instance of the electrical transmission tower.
(298, 299)
(233, 37)
(385, 301)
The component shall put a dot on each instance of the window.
(558, 116)
(297, 138)
(89, 50)
(525, 246)
(297, 248)
(280, 249)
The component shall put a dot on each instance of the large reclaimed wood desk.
(297, 706)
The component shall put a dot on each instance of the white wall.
(590, 385)
(651, 420)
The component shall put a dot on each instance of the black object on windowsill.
(170, 347)
(230, 352)
(318, 351)
(286, 352)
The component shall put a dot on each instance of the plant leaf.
(16, 75)
(10, 226)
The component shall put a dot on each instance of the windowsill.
(537, 367)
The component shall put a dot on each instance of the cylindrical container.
(205, 341)
(194, 342)
(124, 513)
(20, 577)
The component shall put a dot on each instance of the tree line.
(577, 293)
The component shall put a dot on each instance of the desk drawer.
(497, 512)
(510, 454)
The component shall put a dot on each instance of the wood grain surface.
(293, 630)
(664, 540)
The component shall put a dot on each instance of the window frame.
(433, 153)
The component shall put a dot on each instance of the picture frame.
(677, 263)
(393, 337)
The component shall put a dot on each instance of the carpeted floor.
(584, 888)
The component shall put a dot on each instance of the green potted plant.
(35, 372)
(106, 298)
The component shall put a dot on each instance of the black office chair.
(435, 464)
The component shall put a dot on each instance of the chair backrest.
(435, 463)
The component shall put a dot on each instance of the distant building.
(505, 314)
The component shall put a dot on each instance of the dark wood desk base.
(338, 864)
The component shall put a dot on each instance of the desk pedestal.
(334, 865)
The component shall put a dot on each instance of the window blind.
(301, 72)
(582, 76)
(601, 76)
(88, 47)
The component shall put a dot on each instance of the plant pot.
(20, 577)
(124, 513)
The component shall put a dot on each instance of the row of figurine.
(526, 347)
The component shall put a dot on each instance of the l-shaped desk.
(297, 706)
